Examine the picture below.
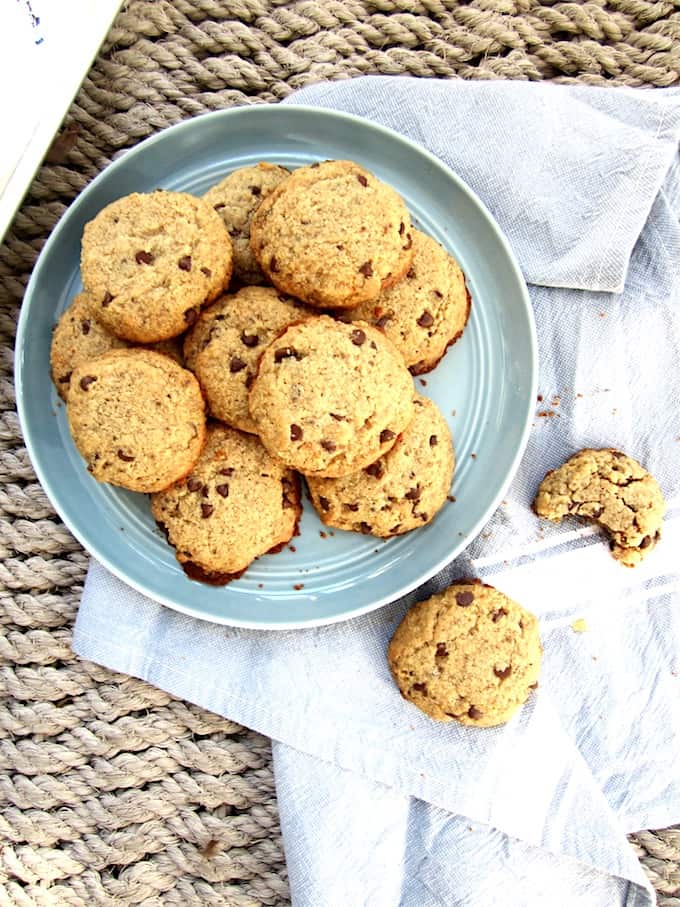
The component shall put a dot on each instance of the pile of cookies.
(224, 346)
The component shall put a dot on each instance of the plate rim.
(261, 110)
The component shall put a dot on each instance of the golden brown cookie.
(137, 418)
(78, 337)
(402, 490)
(150, 262)
(613, 490)
(236, 198)
(224, 347)
(468, 654)
(424, 314)
(330, 398)
(236, 504)
(333, 235)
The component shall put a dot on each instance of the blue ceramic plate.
(485, 385)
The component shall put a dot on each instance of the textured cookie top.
(333, 235)
(402, 490)
(77, 338)
(469, 654)
(330, 397)
(224, 347)
(425, 312)
(137, 418)
(236, 198)
(150, 262)
(237, 503)
(612, 489)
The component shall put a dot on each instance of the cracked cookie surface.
(236, 504)
(330, 398)
(469, 654)
(150, 261)
(427, 311)
(612, 489)
(224, 347)
(236, 198)
(333, 235)
(137, 418)
(402, 490)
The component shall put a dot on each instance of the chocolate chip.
(190, 316)
(184, 264)
(413, 494)
(496, 616)
(223, 490)
(386, 435)
(475, 713)
(442, 651)
(362, 179)
(598, 513)
(337, 417)
(126, 458)
(250, 340)
(420, 688)
(206, 510)
(464, 599)
(286, 352)
(438, 294)
(205, 491)
(236, 365)
(402, 227)
(409, 242)
(411, 273)
(358, 337)
(256, 190)
(433, 440)
(206, 271)
(364, 528)
(330, 446)
(383, 321)
(219, 206)
(646, 542)
(85, 326)
(352, 507)
(250, 381)
(533, 686)
(366, 269)
(395, 528)
(376, 470)
(143, 258)
(296, 433)
(227, 471)
(234, 232)
(107, 300)
(315, 165)
(426, 320)
(273, 266)
(194, 484)
(87, 381)
(324, 503)
(65, 378)
(503, 673)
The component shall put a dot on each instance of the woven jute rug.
(114, 793)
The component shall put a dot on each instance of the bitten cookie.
(330, 398)
(150, 262)
(402, 490)
(613, 490)
(333, 235)
(137, 418)
(426, 312)
(469, 654)
(236, 198)
(224, 347)
(236, 504)
(77, 338)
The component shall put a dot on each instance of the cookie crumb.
(579, 626)
(298, 586)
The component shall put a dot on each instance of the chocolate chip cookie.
(149, 262)
(402, 490)
(333, 235)
(77, 338)
(236, 504)
(137, 418)
(469, 654)
(236, 198)
(614, 491)
(424, 314)
(330, 398)
(224, 347)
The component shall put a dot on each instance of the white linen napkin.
(380, 805)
